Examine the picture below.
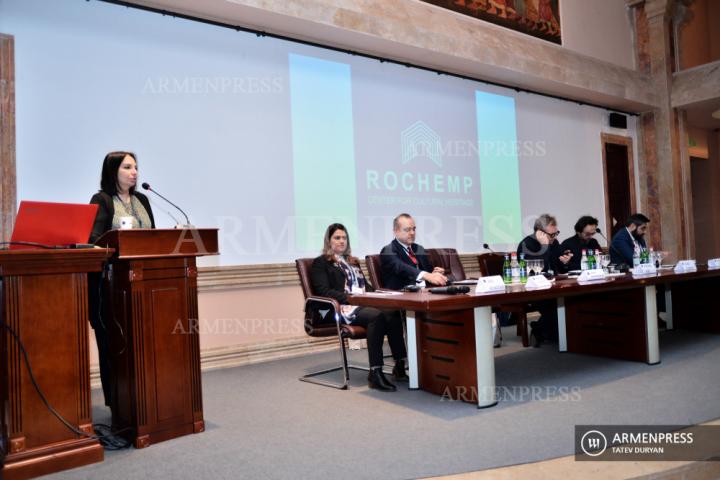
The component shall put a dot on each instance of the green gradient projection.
(323, 148)
(499, 168)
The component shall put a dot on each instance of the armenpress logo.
(593, 443)
(419, 140)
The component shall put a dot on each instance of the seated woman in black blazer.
(336, 274)
(117, 198)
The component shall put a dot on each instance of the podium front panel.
(43, 299)
(157, 392)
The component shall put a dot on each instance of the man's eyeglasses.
(551, 235)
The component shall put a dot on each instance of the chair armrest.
(331, 302)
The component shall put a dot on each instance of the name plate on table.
(714, 263)
(644, 270)
(537, 282)
(594, 275)
(685, 266)
(490, 284)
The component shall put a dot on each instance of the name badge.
(644, 270)
(490, 284)
(537, 282)
(685, 266)
(594, 275)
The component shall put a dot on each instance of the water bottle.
(507, 270)
(523, 269)
(653, 258)
(636, 258)
(515, 268)
(584, 260)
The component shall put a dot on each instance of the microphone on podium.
(487, 247)
(146, 186)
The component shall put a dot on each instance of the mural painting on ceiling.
(539, 18)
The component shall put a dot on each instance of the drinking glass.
(605, 261)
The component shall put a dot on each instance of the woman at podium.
(118, 205)
(117, 199)
(337, 274)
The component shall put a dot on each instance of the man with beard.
(585, 230)
(629, 240)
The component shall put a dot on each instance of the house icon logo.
(419, 140)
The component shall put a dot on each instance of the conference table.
(450, 347)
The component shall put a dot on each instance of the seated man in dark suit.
(543, 245)
(629, 240)
(404, 262)
(585, 230)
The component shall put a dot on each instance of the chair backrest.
(448, 259)
(303, 266)
(315, 324)
(491, 263)
(372, 262)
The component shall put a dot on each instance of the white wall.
(599, 29)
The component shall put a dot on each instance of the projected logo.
(419, 140)
(421, 182)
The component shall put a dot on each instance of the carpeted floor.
(263, 423)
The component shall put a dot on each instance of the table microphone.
(597, 230)
(146, 186)
(487, 247)
(452, 290)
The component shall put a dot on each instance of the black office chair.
(374, 268)
(317, 325)
(448, 259)
(492, 264)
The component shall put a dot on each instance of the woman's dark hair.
(327, 250)
(584, 221)
(111, 164)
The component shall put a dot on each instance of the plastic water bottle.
(584, 260)
(523, 269)
(515, 266)
(507, 270)
(636, 258)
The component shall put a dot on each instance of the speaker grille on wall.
(618, 120)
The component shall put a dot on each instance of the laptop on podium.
(52, 225)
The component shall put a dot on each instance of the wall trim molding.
(249, 354)
(234, 277)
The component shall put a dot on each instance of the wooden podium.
(43, 298)
(151, 319)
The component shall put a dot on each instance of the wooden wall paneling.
(7, 136)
